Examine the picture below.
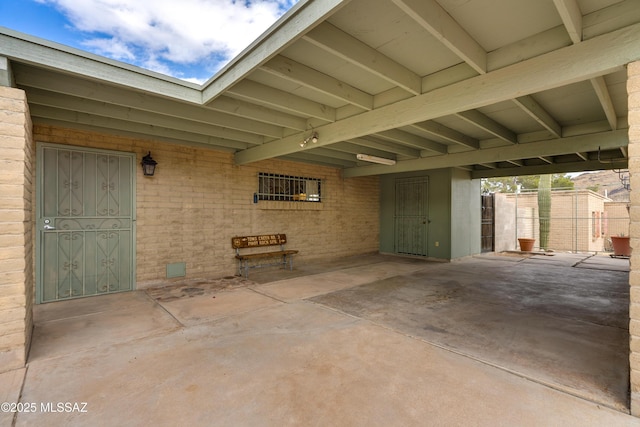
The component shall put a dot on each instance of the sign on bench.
(253, 259)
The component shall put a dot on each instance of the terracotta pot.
(526, 244)
(621, 245)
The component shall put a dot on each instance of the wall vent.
(177, 269)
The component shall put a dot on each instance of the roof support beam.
(387, 146)
(571, 17)
(406, 138)
(547, 160)
(161, 134)
(539, 114)
(91, 122)
(341, 44)
(40, 104)
(592, 142)
(432, 17)
(569, 11)
(259, 113)
(351, 148)
(592, 165)
(451, 135)
(478, 119)
(330, 153)
(488, 165)
(600, 86)
(308, 77)
(518, 163)
(84, 91)
(586, 60)
(281, 100)
(235, 113)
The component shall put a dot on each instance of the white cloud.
(156, 33)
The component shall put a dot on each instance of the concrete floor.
(373, 340)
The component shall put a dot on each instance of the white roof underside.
(498, 87)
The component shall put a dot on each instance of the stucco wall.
(16, 236)
(504, 223)
(466, 218)
(199, 199)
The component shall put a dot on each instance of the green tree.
(528, 182)
(507, 184)
(562, 181)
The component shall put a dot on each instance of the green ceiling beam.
(47, 115)
(591, 165)
(595, 57)
(554, 147)
(27, 77)
(47, 102)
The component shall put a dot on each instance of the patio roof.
(497, 87)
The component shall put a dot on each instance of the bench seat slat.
(249, 243)
(266, 254)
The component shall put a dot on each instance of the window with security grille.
(288, 188)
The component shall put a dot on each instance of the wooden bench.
(253, 259)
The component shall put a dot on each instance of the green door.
(85, 222)
(411, 221)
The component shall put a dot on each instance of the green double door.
(85, 222)
(411, 216)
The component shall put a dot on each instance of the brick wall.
(633, 89)
(199, 199)
(16, 237)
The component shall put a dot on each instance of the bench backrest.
(241, 242)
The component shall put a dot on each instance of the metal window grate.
(288, 188)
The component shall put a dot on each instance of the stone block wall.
(633, 90)
(16, 225)
(199, 199)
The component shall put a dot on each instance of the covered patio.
(355, 127)
(369, 340)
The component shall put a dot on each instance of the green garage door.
(85, 222)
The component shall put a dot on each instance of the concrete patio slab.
(294, 364)
(71, 326)
(207, 308)
(10, 389)
(389, 341)
(92, 305)
(548, 322)
(318, 284)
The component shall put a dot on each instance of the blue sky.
(188, 39)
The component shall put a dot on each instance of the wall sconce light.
(148, 165)
(374, 159)
(313, 138)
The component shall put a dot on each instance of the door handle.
(49, 227)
